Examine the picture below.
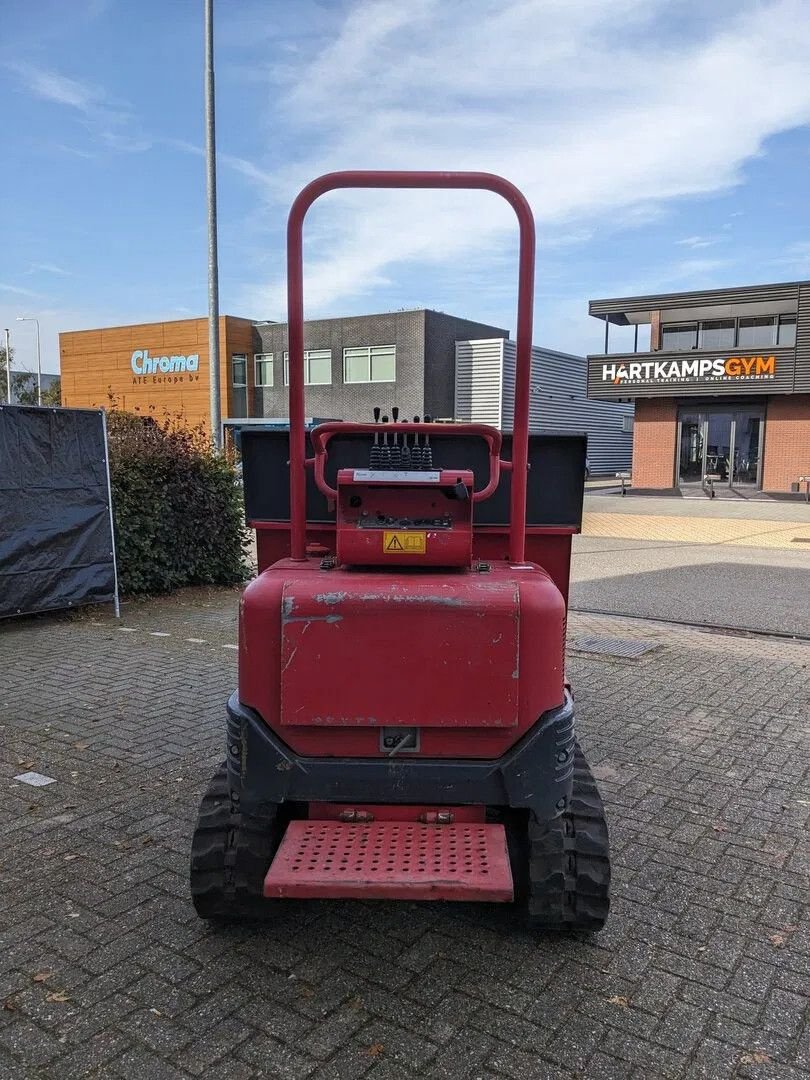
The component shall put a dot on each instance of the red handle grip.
(295, 319)
(321, 435)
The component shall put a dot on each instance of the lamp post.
(33, 319)
(213, 270)
(8, 369)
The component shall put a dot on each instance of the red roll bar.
(295, 319)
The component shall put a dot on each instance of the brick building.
(721, 389)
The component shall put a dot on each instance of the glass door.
(747, 448)
(690, 450)
(718, 446)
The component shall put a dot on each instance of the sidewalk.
(700, 747)
(747, 524)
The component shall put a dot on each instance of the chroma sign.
(690, 369)
(144, 364)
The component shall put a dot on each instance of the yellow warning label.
(404, 542)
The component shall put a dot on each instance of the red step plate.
(391, 860)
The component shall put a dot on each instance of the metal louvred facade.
(485, 390)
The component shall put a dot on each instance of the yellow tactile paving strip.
(690, 530)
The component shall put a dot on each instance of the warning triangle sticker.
(394, 545)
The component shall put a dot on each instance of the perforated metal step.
(395, 860)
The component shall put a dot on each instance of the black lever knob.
(395, 413)
(376, 414)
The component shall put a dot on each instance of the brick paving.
(701, 748)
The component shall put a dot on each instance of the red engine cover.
(400, 651)
(472, 659)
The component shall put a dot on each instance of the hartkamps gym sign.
(164, 369)
(625, 377)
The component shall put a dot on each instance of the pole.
(213, 271)
(8, 370)
(39, 367)
(116, 594)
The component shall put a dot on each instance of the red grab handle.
(295, 319)
(321, 435)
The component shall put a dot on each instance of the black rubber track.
(569, 861)
(230, 855)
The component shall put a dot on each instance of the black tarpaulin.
(56, 547)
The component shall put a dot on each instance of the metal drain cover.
(613, 646)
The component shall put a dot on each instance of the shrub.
(177, 506)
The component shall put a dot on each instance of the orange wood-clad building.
(157, 368)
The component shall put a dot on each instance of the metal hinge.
(437, 817)
(356, 815)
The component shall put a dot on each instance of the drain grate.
(613, 646)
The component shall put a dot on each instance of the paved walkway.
(769, 524)
(701, 748)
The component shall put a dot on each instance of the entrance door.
(747, 448)
(690, 453)
(721, 443)
(718, 446)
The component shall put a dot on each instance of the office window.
(787, 330)
(264, 368)
(239, 369)
(716, 334)
(757, 333)
(370, 363)
(679, 336)
(317, 367)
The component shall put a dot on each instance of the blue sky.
(663, 144)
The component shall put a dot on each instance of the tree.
(24, 388)
(53, 394)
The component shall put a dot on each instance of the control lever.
(406, 452)
(375, 461)
(396, 452)
(385, 449)
(416, 449)
(427, 449)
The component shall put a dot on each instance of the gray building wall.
(485, 372)
(441, 334)
(425, 364)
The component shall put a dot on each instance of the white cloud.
(598, 111)
(697, 242)
(17, 290)
(108, 120)
(47, 268)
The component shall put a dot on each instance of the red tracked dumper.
(403, 728)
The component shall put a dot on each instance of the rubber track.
(230, 855)
(569, 861)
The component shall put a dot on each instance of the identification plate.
(397, 476)
(404, 542)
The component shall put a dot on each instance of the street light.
(8, 368)
(31, 318)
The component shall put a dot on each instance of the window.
(370, 363)
(787, 330)
(317, 367)
(716, 334)
(264, 368)
(757, 333)
(239, 369)
(627, 423)
(679, 336)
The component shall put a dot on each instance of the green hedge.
(177, 506)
